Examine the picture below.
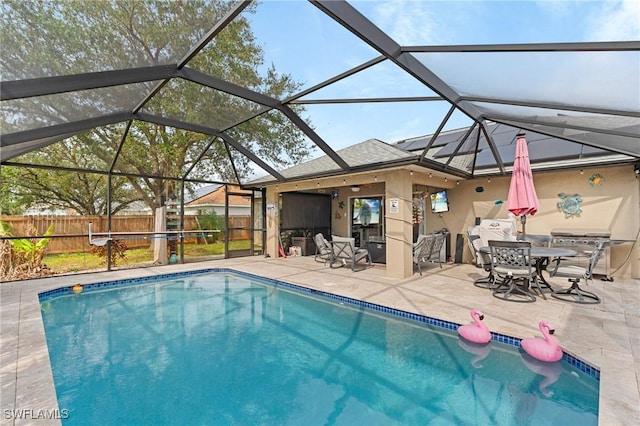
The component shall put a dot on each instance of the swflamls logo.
(30, 414)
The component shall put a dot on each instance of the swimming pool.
(221, 347)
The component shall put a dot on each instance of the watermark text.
(30, 414)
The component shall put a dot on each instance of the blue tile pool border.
(501, 338)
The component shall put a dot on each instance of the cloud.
(616, 21)
(407, 22)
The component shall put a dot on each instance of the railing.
(71, 231)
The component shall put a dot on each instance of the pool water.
(227, 349)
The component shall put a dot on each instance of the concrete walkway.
(606, 335)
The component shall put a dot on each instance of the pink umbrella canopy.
(522, 199)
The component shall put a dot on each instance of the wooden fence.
(71, 232)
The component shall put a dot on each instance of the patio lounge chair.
(575, 274)
(344, 252)
(323, 248)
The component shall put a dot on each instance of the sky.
(302, 41)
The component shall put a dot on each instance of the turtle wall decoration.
(570, 205)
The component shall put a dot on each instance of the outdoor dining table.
(542, 256)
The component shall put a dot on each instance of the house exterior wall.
(613, 205)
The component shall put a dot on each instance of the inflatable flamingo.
(477, 332)
(546, 349)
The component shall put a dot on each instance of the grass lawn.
(84, 261)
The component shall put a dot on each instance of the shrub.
(22, 258)
(118, 250)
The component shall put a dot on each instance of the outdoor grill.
(582, 241)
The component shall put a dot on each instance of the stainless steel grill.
(583, 241)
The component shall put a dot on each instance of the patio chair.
(344, 252)
(575, 274)
(422, 249)
(323, 248)
(440, 238)
(482, 260)
(511, 261)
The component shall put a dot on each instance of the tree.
(58, 38)
(84, 193)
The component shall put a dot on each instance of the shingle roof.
(365, 153)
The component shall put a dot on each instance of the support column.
(273, 222)
(399, 224)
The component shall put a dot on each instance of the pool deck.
(606, 335)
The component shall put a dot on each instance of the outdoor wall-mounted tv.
(439, 202)
(366, 211)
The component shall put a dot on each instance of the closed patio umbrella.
(522, 199)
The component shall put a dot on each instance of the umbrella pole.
(523, 220)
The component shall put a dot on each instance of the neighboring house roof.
(367, 153)
(217, 196)
(201, 192)
(134, 207)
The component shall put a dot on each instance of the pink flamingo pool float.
(546, 349)
(477, 332)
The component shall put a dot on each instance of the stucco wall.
(613, 205)
(340, 220)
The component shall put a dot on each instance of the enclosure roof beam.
(63, 129)
(437, 133)
(598, 46)
(337, 78)
(302, 125)
(631, 150)
(227, 87)
(20, 89)
(551, 105)
(178, 124)
(107, 172)
(347, 16)
(492, 147)
(367, 100)
(238, 146)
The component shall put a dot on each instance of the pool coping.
(27, 381)
(571, 359)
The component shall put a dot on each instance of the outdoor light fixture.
(636, 170)
(355, 188)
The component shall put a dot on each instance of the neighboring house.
(135, 208)
(41, 210)
(215, 201)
